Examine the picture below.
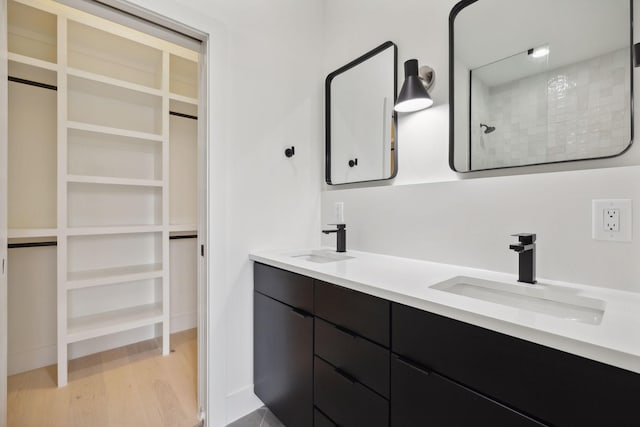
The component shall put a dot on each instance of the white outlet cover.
(599, 232)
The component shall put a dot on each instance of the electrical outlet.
(611, 220)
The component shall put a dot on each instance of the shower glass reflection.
(509, 110)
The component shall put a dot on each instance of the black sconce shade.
(413, 95)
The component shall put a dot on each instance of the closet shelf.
(89, 179)
(97, 325)
(125, 229)
(180, 228)
(34, 62)
(182, 98)
(19, 233)
(114, 82)
(113, 131)
(108, 276)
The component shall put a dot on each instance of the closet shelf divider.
(108, 276)
(89, 179)
(34, 62)
(114, 131)
(126, 229)
(182, 98)
(100, 324)
(113, 81)
(182, 228)
(19, 233)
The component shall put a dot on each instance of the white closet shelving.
(117, 146)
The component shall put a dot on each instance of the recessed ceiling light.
(539, 52)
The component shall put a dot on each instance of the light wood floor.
(128, 386)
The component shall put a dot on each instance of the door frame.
(4, 136)
(204, 173)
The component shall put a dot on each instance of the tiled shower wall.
(572, 112)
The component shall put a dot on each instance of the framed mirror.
(539, 81)
(360, 123)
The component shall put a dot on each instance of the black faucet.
(341, 231)
(526, 257)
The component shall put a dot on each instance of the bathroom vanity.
(367, 341)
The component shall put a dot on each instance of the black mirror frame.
(327, 124)
(457, 8)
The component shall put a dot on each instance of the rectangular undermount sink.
(555, 301)
(322, 256)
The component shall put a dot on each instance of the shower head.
(488, 129)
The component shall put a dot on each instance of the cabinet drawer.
(426, 398)
(366, 315)
(347, 402)
(290, 288)
(556, 387)
(320, 420)
(363, 360)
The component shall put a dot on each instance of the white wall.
(266, 77)
(470, 222)
(430, 212)
(273, 201)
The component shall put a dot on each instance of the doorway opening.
(107, 207)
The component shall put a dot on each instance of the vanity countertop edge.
(616, 341)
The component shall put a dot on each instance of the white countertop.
(615, 341)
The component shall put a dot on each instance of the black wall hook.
(353, 162)
(289, 152)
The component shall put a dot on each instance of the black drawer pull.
(346, 376)
(346, 331)
(412, 365)
(300, 313)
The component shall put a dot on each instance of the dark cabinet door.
(283, 360)
(422, 398)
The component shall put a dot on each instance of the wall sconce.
(414, 95)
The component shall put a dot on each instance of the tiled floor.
(261, 417)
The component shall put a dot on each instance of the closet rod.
(32, 83)
(186, 116)
(53, 87)
(190, 236)
(40, 244)
(31, 244)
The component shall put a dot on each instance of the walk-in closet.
(103, 199)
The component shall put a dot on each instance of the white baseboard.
(182, 322)
(32, 359)
(241, 403)
(44, 356)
